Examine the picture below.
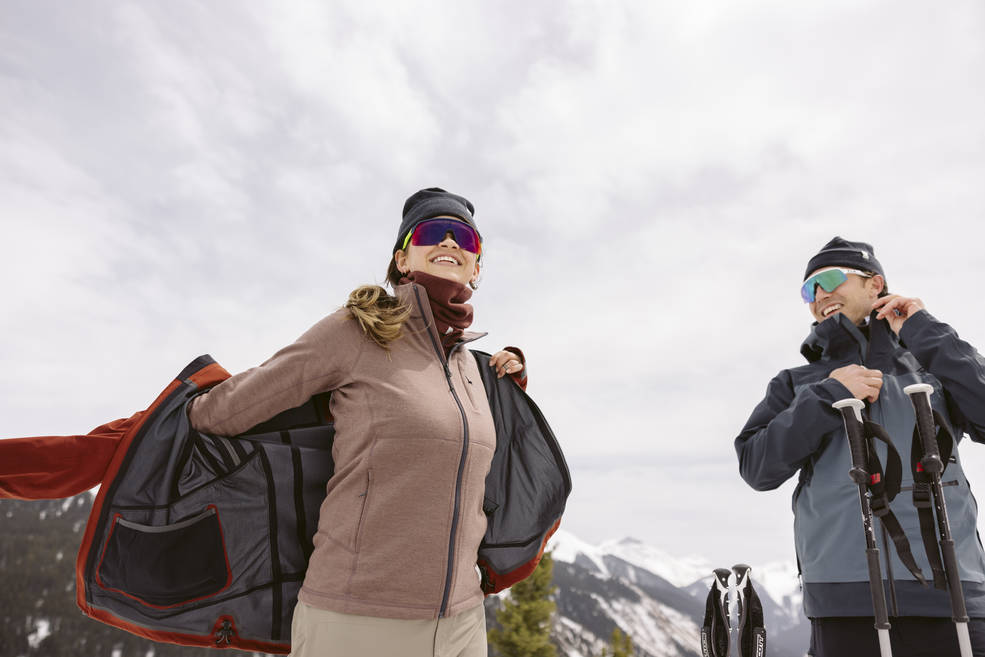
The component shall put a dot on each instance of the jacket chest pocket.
(472, 384)
(937, 400)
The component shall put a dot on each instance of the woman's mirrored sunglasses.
(433, 231)
(828, 279)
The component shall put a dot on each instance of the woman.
(393, 570)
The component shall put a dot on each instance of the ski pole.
(750, 628)
(851, 413)
(932, 464)
(733, 613)
(716, 639)
(893, 604)
(724, 581)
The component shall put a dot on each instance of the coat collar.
(415, 297)
(839, 338)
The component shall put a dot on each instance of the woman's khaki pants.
(320, 633)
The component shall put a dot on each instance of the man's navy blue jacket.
(795, 429)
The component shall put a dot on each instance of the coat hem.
(824, 599)
(381, 609)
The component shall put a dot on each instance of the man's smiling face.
(853, 298)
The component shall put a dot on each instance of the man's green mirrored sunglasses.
(829, 279)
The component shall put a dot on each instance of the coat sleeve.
(956, 364)
(320, 360)
(51, 467)
(785, 429)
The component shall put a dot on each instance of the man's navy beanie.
(840, 252)
(433, 202)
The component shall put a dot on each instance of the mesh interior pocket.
(168, 565)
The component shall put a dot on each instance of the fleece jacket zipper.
(461, 463)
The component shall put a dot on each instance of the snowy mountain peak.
(779, 579)
(569, 548)
(656, 598)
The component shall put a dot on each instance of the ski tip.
(741, 571)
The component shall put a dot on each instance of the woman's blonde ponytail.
(381, 315)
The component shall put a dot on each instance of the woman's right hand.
(506, 362)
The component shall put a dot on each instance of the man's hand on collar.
(896, 309)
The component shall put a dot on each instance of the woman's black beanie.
(841, 252)
(433, 202)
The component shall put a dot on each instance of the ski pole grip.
(878, 595)
(851, 413)
(959, 610)
(920, 398)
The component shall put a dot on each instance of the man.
(868, 344)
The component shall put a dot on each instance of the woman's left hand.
(505, 362)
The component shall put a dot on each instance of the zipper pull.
(224, 633)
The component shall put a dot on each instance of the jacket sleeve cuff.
(914, 327)
(831, 390)
(827, 392)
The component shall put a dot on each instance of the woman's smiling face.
(445, 259)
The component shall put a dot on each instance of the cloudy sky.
(179, 178)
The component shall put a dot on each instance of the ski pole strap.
(922, 498)
(715, 629)
(881, 482)
(895, 530)
(752, 630)
(883, 488)
(928, 530)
